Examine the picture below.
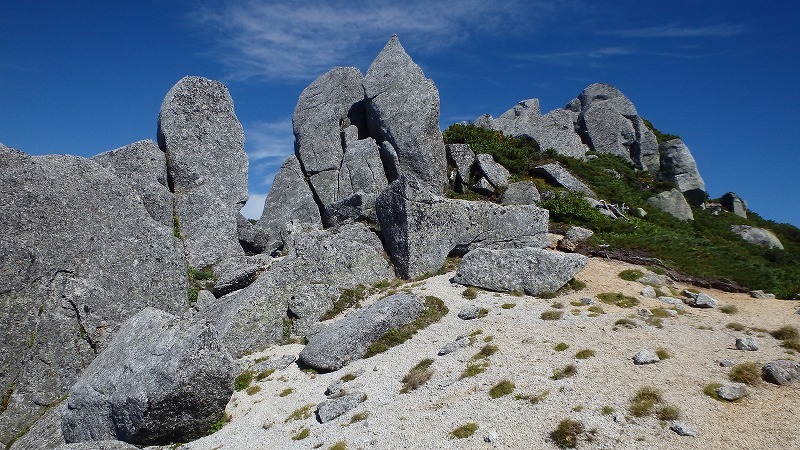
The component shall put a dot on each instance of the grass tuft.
(631, 274)
(747, 373)
(786, 332)
(561, 346)
(508, 305)
(417, 376)
(711, 390)
(464, 431)
(470, 293)
(567, 371)
(728, 309)
(504, 387)
(435, 309)
(584, 354)
(303, 412)
(567, 433)
(551, 315)
(618, 299)
(243, 380)
(302, 434)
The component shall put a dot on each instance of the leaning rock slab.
(462, 157)
(204, 143)
(80, 253)
(734, 204)
(495, 174)
(782, 371)
(531, 270)
(679, 167)
(421, 229)
(559, 176)
(403, 109)
(160, 380)
(349, 338)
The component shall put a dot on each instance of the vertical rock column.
(207, 167)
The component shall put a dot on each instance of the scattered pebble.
(682, 429)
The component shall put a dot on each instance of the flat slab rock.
(333, 408)
(531, 270)
(349, 338)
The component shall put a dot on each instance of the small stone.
(746, 343)
(726, 363)
(648, 291)
(333, 408)
(620, 418)
(644, 313)
(459, 343)
(731, 392)
(682, 429)
(491, 437)
(334, 388)
(469, 313)
(670, 300)
(587, 301)
(761, 294)
(645, 356)
(704, 301)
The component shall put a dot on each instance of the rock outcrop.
(349, 338)
(679, 167)
(301, 287)
(559, 176)
(758, 236)
(531, 270)
(462, 158)
(144, 167)
(80, 253)
(207, 167)
(289, 199)
(161, 380)
(734, 204)
(403, 109)
(673, 203)
(521, 193)
(609, 123)
(421, 229)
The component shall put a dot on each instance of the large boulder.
(559, 176)
(207, 165)
(349, 338)
(79, 256)
(300, 287)
(325, 111)
(782, 372)
(609, 123)
(462, 158)
(679, 167)
(518, 120)
(403, 109)
(361, 179)
(758, 236)
(289, 199)
(422, 229)
(532, 270)
(674, 203)
(161, 380)
(521, 193)
(734, 204)
(144, 166)
(494, 172)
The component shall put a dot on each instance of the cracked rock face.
(679, 167)
(207, 165)
(421, 229)
(403, 109)
(79, 256)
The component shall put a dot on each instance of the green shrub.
(625, 322)
(551, 315)
(515, 154)
(728, 309)
(464, 431)
(747, 373)
(561, 346)
(567, 433)
(264, 374)
(568, 371)
(618, 299)
(508, 305)
(504, 387)
(486, 351)
(474, 368)
(663, 353)
(584, 354)
(303, 412)
(607, 410)
(596, 309)
(253, 390)
(668, 412)
(216, 426)
(286, 392)
(435, 309)
(341, 445)
(348, 298)
(660, 137)
(631, 274)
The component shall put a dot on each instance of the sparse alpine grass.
(585, 354)
(631, 274)
(464, 431)
(747, 373)
(551, 315)
(504, 387)
(618, 299)
(567, 433)
(417, 376)
(435, 309)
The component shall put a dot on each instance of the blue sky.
(83, 77)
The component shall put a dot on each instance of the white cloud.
(681, 31)
(254, 206)
(576, 56)
(268, 144)
(299, 39)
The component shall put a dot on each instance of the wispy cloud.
(268, 145)
(297, 40)
(576, 56)
(682, 31)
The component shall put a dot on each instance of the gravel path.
(424, 418)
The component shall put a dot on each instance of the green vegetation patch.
(747, 373)
(585, 354)
(417, 376)
(303, 412)
(711, 390)
(561, 346)
(567, 371)
(243, 380)
(464, 431)
(618, 299)
(567, 433)
(631, 274)
(551, 315)
(216, 426)
(302, 434)
(504, 387)
(435, 309)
